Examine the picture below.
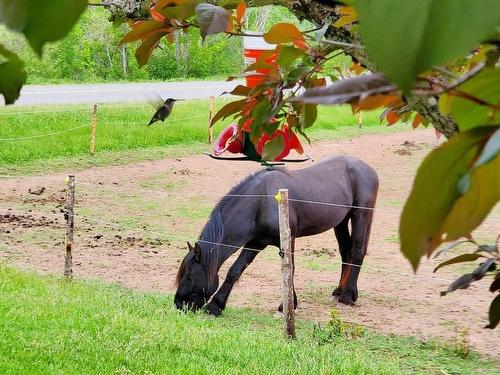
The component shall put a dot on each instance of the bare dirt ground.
(132, 223)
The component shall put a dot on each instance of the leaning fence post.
(70, 223)
(287, 264)
(210, 116)
(93, 131)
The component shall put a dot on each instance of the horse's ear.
(197, 252)
(190, 247)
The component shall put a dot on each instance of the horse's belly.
(316, 220)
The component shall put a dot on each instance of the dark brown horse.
(247, 219)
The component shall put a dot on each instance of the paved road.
(120, 92)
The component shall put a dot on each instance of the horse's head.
(197, 279)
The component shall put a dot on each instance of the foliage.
(336, 329)
(90, 53)
(450, 53)
(490, 261)
(40, 21)
(51, 326)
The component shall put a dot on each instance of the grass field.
(50, 326)
(122, 133)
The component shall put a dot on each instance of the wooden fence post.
(93, 131)
(210, 116)
(287, 264)
(70, 223)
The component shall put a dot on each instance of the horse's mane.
(213, 231)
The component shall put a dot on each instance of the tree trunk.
(124, 60)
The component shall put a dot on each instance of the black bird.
(164, 110)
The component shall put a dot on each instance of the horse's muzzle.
(192, 304)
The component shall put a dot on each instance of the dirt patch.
(132, 223)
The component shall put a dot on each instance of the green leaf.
(463, 282)
(308, 115)
(41, 21)
(435, 191)
(272, 148)
(468, 114)
(228, 110)
(288, 55)
(476, 203)
(495, 285)
(494, 314)
(458, 259)
(406, 38)
(452, 246)
(12, 75)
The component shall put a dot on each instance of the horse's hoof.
(337, 292)
(348, 298)
(212, 309)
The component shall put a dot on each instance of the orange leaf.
(300, 44)
(240, 11)
(376, 101)
(143, 53)
(392, 118)
(349, 15)
(140, 30)
(356, 68)
(417, 121)
(283, 33)
(157, 16)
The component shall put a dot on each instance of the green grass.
(122, 134)
(50, 326)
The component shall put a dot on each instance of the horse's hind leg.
(361, 224)
(219, 300)
(345, 243)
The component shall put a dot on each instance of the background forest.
(91, 52)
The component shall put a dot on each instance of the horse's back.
(338, 181)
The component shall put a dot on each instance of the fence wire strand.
(171, 237)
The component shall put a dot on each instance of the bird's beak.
(178, 100)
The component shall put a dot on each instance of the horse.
(246, 218)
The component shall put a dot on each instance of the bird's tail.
(153, 120)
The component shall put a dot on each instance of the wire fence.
(174, 237)
(89, 126)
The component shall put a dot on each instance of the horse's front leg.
(219, 300)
